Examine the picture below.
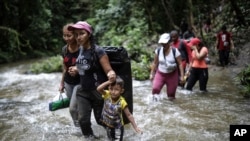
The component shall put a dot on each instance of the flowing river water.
(24, 114)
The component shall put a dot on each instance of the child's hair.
(118, 81)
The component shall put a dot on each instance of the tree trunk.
(190, 13)
(171, 21)
(150, 17)
(191, 17)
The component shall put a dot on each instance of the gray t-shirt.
(89, 68)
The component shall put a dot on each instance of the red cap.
(194, 42)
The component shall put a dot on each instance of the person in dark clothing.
(94, 68)
(183, 27)
(189, 34)
(224, 44)
(69, 83)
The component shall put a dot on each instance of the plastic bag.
(207, 60)
(60, 101)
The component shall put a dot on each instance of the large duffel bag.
(121, 64)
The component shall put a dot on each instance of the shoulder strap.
(158, 51)
(182, 44)
(174, 50)
(162, 51)
(64, 51)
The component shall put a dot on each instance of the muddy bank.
(240, 60)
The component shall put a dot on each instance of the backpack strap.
(184, 48)
(158, 51)
(64, 51)
(173, 50)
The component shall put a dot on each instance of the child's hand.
(138, 130)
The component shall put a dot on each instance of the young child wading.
(114, 104)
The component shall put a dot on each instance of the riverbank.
(243, 60)
(240, 61)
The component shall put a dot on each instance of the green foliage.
(47, 65)
(5, 56)
(21, 31)
(140, 70)
(15, 42)
(36, 25)
(244, 79)
(34, 28)
(131, 33)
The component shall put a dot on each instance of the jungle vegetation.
(33, 29)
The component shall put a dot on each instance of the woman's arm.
(180, 68)
(61, 87)
(200, 55)
(104, 61)
(154, 66)
(189, 68)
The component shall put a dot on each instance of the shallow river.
(24, 114)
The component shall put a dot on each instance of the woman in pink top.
(199, 68)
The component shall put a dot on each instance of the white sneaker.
(156, 97)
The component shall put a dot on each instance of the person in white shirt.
(166, 68)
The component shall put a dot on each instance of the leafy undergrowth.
(47, 65)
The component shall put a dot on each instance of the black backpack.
(183, 50)
(120, 63)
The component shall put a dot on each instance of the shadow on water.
(24, 114)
